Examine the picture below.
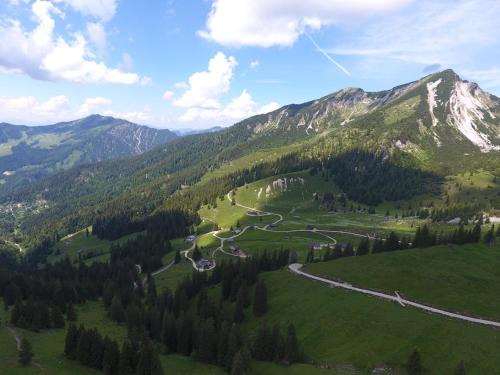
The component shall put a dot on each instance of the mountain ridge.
(394, 125)
(28, 153)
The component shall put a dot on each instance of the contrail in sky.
(328, 56)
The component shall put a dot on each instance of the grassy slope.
(70, 245)
(336, 326)
(463, 278)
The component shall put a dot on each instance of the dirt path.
(296, 269)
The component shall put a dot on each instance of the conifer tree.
(414, 364)
(241, 364)
(197, 254)
(460, 370)
(177, 257)
(128, 358)
(151, 295)
(57, 318)
(71, 314)
(25, 352)
(149, 363)
(234, 344)
(207, 342)
(71, 342)
(260, 299)
(169, 333)
(278, 343)
(363, 247)
(116, 311)
(238, 314)
(292, 350)
(222, 342)
(310, 256)
(110, 357)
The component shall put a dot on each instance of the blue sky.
(199, 63)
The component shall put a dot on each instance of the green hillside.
(29, 153)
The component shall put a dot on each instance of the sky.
(195, 64)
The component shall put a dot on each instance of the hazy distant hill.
(29, 153)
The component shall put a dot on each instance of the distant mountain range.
(28, 153)
(183, 132)
(439, 124)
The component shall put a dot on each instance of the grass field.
(69, 246)
(335, 326)
(461, 278)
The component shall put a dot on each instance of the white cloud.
(237, 109)
(101, 9)
(447, 32)
(488, 78)
(139, 117)
(97, 35)
(181, 85)
(204, 91)
(127, 63)
(266, 23)
(90, 104)
(18, 2)
(25, 108)
(204, 88)
(168, 95)
(146, 81)
(254, 64)
(42, 55)
(270, 107)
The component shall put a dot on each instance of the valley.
(342, 235)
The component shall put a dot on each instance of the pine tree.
(177, 257)
(83, 353)
(292, 350)
(116, 311)
(25, 352)
(460, 370)
(310, 256)
(197, 254)
(234, 344)
(185, 336)
(57, 318)
(169, 333)
(128, 358)
(363, 247)
(207, 343)
(489, 237)
(414, 364)
(278, 343)
(241, 364)
(152, 295)
(222, 342)
(111, 357)
(71, 314)
(149, 363)
(238, 315)
(71, 342)
(262, 344)
(392, 242)
(260, 299)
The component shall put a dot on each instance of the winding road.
(296, 269)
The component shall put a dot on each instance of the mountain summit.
(440, 106)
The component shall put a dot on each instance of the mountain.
(183, 132)
(30, 153)
(425, 130)
(441, 105)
